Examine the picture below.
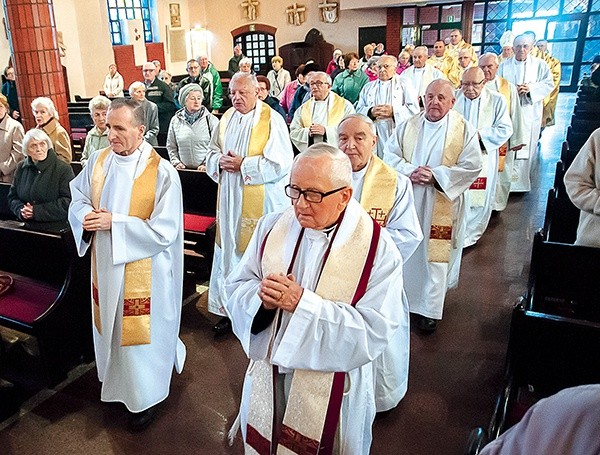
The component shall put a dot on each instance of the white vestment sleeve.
(214, 155)
(403, 223)
(299, 134)
(392, 154)
(580, 179)
(544, 84)
(500, 131)
(81, 204)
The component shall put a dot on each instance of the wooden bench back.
(199, 193)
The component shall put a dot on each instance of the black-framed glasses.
(309, 195)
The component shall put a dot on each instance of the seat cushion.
(197, 223)
(27, 300)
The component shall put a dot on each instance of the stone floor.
(454, 373)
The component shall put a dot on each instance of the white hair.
(491, 55)
(35, 134)
(246, 77)
(134, 86)
(98, 102)
(47, 103)
(363, 118)
(245, 61)
(340, 167)
(322, 73)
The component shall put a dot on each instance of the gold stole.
(137, 286)
(253, 196)
(440, 235)
(379, 190)
(504, 89)
(310, 391)
(335, 110)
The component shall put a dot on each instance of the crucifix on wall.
(250, 9)
(296, 14)
(329, 11)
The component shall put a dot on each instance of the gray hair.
(245, 61)
(47, 103)
(322, 73)
(134, 86)
(528, 37)
(363, 118)
(391, 57)
(340, 168)
(137, 112)
(372, 60)
(421, 49)
(491, 55)
(98, 102)
(35, 134)
(249, 79)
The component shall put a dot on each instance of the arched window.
(119, 10)
(258, 44)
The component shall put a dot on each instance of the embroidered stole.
(313, 407)
(335, 110)
(504, 90)
(440, 235)
(137, 286)
(253, 196)
(379, 190)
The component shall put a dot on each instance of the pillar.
(35, 56)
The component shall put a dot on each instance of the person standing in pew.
(40, 188)
(46, 118)
(137, 91)
(11, 138)
(250, 157)
(582, 182)
(160, 94)
(97, 137)
(190, 130)
(127, 207)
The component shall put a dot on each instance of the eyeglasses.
(317, 83)
(315, 197)
(472, 84)
(385, 65)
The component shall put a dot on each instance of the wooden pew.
(5, 213)
(50, 299)
(576, 139)
(162, 151)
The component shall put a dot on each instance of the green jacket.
(348, 85)
(217, 93)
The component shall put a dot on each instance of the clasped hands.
(98, 220)
(382, 111)
(523, 89)
(423, 175)
(316, 130)
(27, 211)
(280, 291)
(230, 162)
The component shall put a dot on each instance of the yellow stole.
(504, 89)
(138, 274)
(310, 391)
(335, 110)
(253, 196)
(440, 235)
(379, 190)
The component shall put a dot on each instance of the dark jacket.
(161, 94)
(274, 104)
(45, 185)
(9, 89)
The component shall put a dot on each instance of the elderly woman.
(137, 91)
(11, 138)
(403, 62)
(190, 130)
(287, 96)
(246, 65)
(264, 86)
(40, 189)
(46, 118)
(371, 70)
(278, 77)
(350, 82)
(97, 137)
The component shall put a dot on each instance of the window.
(259, 47)
(426, 24)
(119, 10)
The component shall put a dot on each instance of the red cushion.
(197, 223)
(27, 300)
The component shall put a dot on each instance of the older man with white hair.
(420, 74)
(137, 91)
(316, 120)
(488, 113)
(533, 80)
(160, 94)
(388, 101)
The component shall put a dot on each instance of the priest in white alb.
(314, 302)
(127, 207)
(420, 74)
(388, 198)
(487, 111)
(250, 157)
(387, 100)
(318, 117)
(533, 80)
(439, 151)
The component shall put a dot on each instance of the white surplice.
(320, 116)
(320, 334)
(138, 376)
(426, 282)
(489, 114)
(391, 374)
(396, 93)
(536, 73)
(519, 136)
(270, 169)
(419, 78)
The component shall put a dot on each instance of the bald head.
(489, 65)
(439, 99)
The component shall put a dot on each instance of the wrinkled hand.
(16, 114)
(202, 168)
(230, 162)
(316, 130)
(280, 291)
(98, 220)
(27, 211)
(180, 166)
(382, 111)
(422, 175)
(523, 89)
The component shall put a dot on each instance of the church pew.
(576, 139)
(561, 219)
(50, 299)
(80, 120)
(5, 213)
(586, 125)
(162, 151)
(567, 155)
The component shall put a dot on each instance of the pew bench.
(50, 299)
(562, 217)
(5, 213)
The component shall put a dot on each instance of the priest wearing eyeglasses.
(314, 301)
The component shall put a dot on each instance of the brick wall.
(125, 61)
(393, 38)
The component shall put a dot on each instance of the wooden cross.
(296, 14)
(329, 11)
(250, 7)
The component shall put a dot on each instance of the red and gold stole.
(138, 274)
(504, 90)
(379, 190)
(253, 196)
(440, 235)
(335, 109)
(313, 407)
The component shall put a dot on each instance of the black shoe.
(426, 325)
(140, 420)
(223, 326)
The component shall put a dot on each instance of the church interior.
(522, 324)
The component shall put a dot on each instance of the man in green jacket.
(208, 71)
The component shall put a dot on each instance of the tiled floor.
(454, 373)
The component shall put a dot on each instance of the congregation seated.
(11, 137)
(46, 119)
(264, 87)
(40, 189)
(190, 130)
(9, 90)
(287, 96)
(137, 91)
(97, 137)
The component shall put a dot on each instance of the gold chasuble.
(379, 190)
(440, 235)
(311, 419)
(138, 274)
(335, 110)
(504, 89)
(253, 196)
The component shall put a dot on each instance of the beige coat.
(11, 137)
(60, 140)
